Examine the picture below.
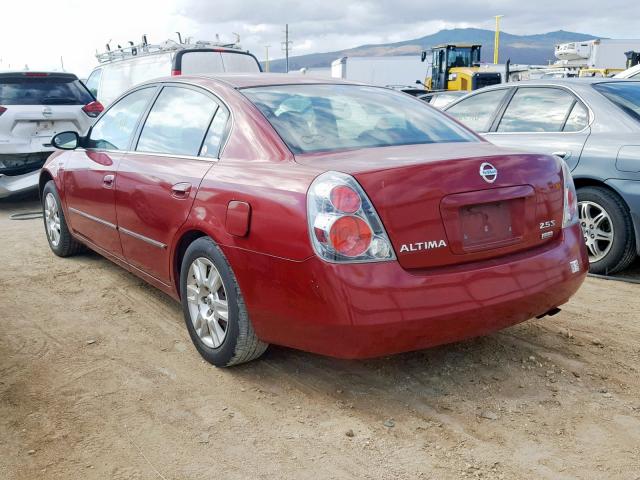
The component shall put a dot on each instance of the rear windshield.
(316, 118)
(625, 95)
(218, 62)
(43, 91)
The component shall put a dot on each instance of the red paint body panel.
(252, 203)
(147, 206)
(367, 310)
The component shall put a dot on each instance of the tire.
(221, 343)
(622, 248)
(61, 242)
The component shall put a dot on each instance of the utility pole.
(286, 45)
(266, 62)
(496, 42)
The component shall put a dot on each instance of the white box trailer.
(601, 53)
(392, 71)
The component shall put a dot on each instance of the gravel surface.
(99, 380)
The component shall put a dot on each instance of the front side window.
(477, 111)
(537, 110)
(316, 118)
(625, 95)
(114, 129)
(177, 122)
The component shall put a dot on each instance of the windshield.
(625, 95)
(315, 118)
(25, 90)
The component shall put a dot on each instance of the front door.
(90, 174)
(545, 120)
(157, 183)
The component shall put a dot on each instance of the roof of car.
(575, 83)
(245, 80)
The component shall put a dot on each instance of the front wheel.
(214, 309)
(60, 239)
(607, 229)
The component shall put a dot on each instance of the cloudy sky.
(38, 32)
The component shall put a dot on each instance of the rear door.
(550, 120)
(157, 183)
(36, 106)
(90, 174)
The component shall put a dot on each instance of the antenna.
(179, 38)
(144, 39)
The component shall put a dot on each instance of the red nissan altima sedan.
(337, 218)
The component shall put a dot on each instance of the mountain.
(523, 49)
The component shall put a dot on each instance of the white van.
(125, 67)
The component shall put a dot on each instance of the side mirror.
(66, 140)
(423, 56)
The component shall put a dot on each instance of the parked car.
(34, 106)
(442, 99)
(125, 67)
(342, 219)
(594, 125)
(633, 72)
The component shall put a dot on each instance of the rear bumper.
(19, 183)
(374, 309)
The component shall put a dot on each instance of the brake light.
(2, 110)
(343, 225)
(93, 109)
(175, 73)
(35, 74)
(570, 215)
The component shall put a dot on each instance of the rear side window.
(537, 110)
(320, 118)
(177, 122)
(215, 135)
(114, 129)
(477, 111)
(24, 90)
(578, 118)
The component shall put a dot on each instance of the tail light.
(343, 225)
(570, 216)
(175, 73)
(2, 110)
(93, 109)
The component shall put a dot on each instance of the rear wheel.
(607, 229)
(60, 239)
(214, 309)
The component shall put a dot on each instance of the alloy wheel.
(207, 302)
(52, 219)
(597, 229)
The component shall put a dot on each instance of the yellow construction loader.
(457, 67)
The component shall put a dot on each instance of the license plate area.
(490, 224)
(488, 219)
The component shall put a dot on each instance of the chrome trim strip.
(150, 241)
(91, 217)
(187, 157)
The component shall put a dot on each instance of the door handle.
(181, 190)
(563, 155)
(107, 180)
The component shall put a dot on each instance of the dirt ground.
(99, 380)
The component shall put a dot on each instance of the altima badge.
(488, 172)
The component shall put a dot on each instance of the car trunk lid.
(439, 209)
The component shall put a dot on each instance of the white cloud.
(39, 32)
